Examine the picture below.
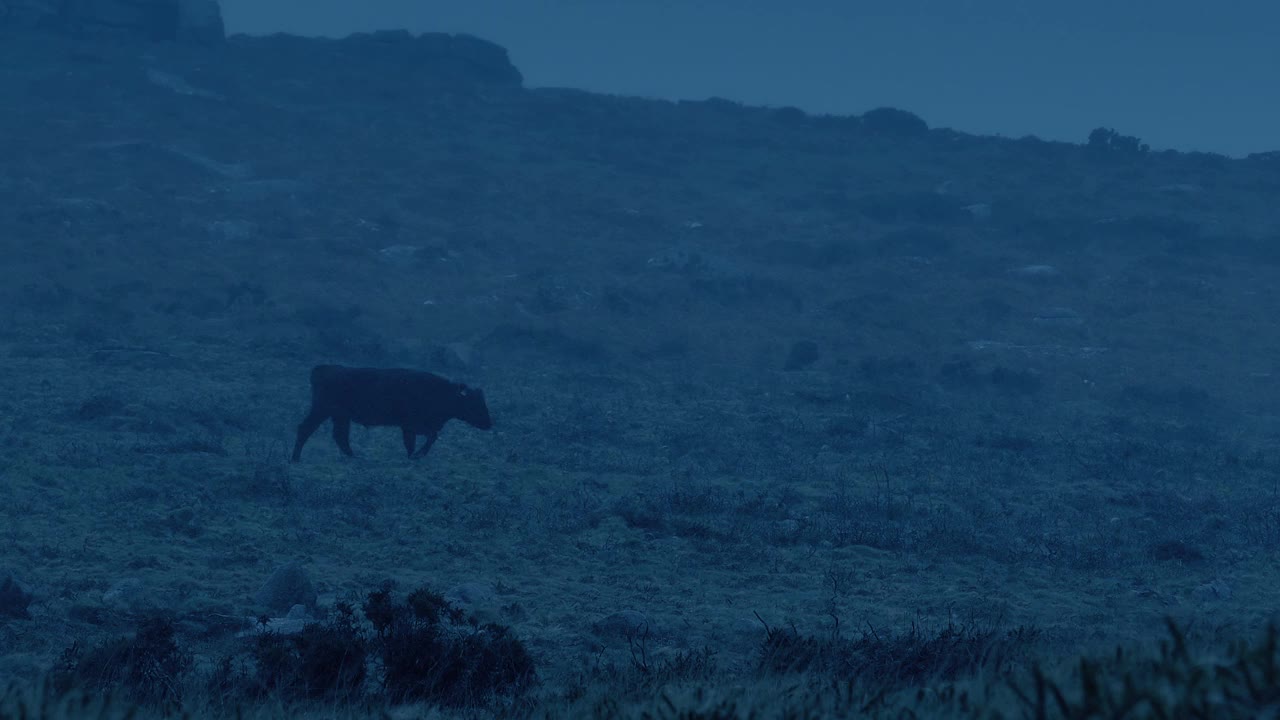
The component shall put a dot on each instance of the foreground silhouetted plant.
(148, 668)
(431, 650)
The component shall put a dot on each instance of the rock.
(14, 599)
(470, 594)
(803, 353)
(694, 263)
(132, 596)
(1036, 272)
(176, 84)
(1181, 189)
(1213, 590)
(187, 21)
(294, 622)
(289, 585)
(467, 56)
(139, 358)
(231, 231)
(1059, 316)
(979, 211)
(750, 628)
(399, 254)
(453, 356)
(624, 624)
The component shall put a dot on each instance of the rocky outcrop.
(193, 21)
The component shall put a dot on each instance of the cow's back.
(377, 396)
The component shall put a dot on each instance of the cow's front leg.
(342, 434)
(305, 428)
(429, 438)
(410, 438)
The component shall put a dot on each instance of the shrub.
(430, 650)
(892, 121)
(1111, 143)
(324, 660)
(149, 668)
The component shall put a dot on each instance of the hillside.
(741, 360)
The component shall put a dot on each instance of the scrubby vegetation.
(956, 672)
(420, 648)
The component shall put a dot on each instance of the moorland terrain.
(758, 377)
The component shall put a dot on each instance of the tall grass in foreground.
(801, 677)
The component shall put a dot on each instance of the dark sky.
(1184, 74)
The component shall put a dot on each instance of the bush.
(149, 668)
(892, 121)
(325, 660)
(1111, 143)
(420, 649)
(430, 650)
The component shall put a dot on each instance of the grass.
(627, 278)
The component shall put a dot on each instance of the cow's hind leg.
(342, 434)
(410, 439)
(305, 428)
(426, 446)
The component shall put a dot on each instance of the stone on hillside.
(294, 622)
(624, 624)
(453, 356)
(1036, 272)
(188, 21)
(398, 254)
(1213, 590)
(979, 211)
(803, 353)
(289, 585)
(130, 595)
(1058, 316)
(231, 231)
(470, 594)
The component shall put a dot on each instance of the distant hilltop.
(457, 59)
(197, 21)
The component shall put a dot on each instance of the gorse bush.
(419, 649)
(149, 668)
(325, 660)
(431, 650)
(1112, 143)
(893, 121)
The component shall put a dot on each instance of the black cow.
(420, 403)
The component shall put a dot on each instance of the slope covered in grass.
(1037, 387)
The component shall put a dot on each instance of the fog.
(1171, 73)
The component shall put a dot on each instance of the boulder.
(802, 354)
(288, 586)
(623, 624)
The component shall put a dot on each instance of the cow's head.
(472, 408)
